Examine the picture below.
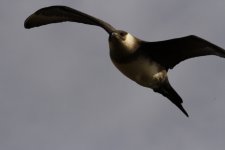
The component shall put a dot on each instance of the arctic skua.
(146, 63)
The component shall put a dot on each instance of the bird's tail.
(166, 90)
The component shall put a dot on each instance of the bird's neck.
(122, 54)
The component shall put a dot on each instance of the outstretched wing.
(55, 14)
(171, 52)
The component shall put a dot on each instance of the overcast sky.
(60, 91)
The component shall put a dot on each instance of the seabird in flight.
(144, 62)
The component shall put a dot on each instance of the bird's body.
(143, 71)
(146, 63)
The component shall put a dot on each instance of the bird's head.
(122, 40)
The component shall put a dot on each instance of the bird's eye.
(123, 34)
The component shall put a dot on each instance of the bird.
(146, 63)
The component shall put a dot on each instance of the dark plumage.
(146, 63)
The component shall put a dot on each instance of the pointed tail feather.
(167, 91)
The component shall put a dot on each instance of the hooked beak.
(114, 34)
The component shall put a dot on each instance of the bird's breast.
(143, 71)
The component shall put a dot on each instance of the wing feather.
(56, 14)
(171, 52)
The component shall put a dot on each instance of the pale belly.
(143, 71)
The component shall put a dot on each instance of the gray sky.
(59, 89)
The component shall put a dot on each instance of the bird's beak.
(114, 34)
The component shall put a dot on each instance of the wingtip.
(27, 24)
(30, 22)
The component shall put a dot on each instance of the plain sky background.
(60, 91)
